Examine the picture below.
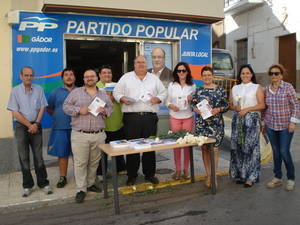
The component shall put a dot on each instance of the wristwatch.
(37, 123)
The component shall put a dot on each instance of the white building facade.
(264, 32)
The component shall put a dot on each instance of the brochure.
(142, 144)
(161, 142)
(145, 97)
(205, 109)
(131, 99)
(119, 144)
(110, 86)
(94, 106)
(182, 102)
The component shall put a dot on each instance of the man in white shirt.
(140, 92)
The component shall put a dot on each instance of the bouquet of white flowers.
(184, 137)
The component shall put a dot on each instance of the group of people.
(130, 112)
(274, 110)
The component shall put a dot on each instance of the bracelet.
(37, 123)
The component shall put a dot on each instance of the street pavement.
(182, 204)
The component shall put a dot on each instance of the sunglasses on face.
(274, 73)
(183, 71)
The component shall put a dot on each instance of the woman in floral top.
(246, 102)
(280, 119)
(214, 125)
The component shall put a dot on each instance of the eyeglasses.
(274, 73)
(157, 57)
(183, 71)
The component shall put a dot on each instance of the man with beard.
(158, 56)
(27, 103)
(140, 92)
(59, 143)
(87, 131)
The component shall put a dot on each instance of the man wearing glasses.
(159, 66)
(87, 131)
(27, 103)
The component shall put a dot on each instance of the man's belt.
(90, 132)
(139, 113)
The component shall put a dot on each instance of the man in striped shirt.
(87, 132)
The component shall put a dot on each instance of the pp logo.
(40, 26)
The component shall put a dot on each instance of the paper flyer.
(182, 102)
(94, 106)
(205, 109)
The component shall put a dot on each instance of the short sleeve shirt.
(27, 103)
(55, 102)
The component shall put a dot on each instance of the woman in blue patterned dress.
(214, 125)
(246, 101)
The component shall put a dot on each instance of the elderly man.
(159, 67)
(27, 103)
(87, 131)
(140, 92)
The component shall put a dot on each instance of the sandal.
(176, 176)
(248, 184)
(207, 182)
(186, 175)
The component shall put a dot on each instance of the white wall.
(262, 26)
(212, 8)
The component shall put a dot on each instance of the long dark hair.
(253, 78)
(188, 79)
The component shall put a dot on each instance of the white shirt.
(175, 91)
(130, 85)
(158, 72)
(245, 95)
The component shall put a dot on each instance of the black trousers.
(34, 141)
(140, 126)
(113, 136)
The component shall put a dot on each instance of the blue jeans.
(281, 141)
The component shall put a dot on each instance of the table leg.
(103, 164)
(115, 185)
(192, 165)
(212, 169)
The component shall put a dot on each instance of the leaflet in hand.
(110, 86)
(131, 99)
(205, 109)
(94, 106)
(146, 97)
(182, 102)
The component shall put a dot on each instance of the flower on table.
(191, 139)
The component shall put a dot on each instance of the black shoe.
(61, 182)
(94, 188)
(130, 181)
(240, 182)
(153, 180)
(80, 196)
